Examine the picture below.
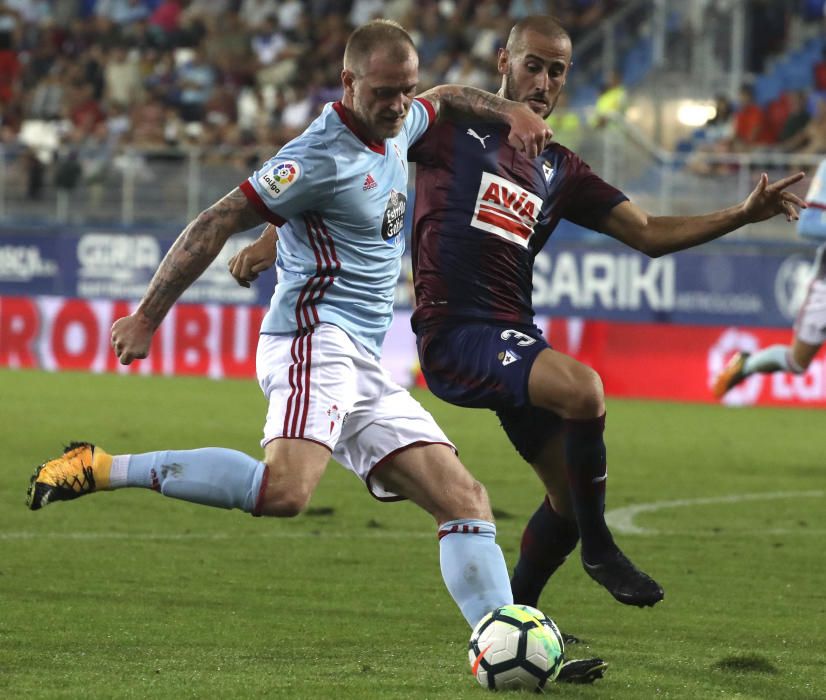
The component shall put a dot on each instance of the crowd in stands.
(83, 80)
(793, 122)
(237, 78)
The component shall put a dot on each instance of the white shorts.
(324, 387)
(810, 325)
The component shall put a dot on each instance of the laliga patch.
(393, 221)
(279, 177)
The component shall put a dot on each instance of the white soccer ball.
(515, 647)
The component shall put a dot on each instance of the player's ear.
(502, 61)
(348, 78)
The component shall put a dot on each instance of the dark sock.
(587, 474)
(546, 542)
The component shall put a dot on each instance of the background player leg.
(472, 564)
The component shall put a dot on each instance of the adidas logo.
(369, 183)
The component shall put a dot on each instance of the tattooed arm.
(191, 254)
(528, 133)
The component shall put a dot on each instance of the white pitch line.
(212, 536)
(622, 519)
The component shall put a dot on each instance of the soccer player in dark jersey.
(482, 212)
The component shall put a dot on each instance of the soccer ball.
(515, 647)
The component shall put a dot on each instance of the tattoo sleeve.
(193, 251)
(462, 100)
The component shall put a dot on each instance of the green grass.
(130, 595)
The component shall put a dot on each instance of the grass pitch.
(131, 595)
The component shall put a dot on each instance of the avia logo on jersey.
(278, 178)
(369, 183)
(393, 220)
(508, 357)
(505, 209)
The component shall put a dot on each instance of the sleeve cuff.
(258, 203)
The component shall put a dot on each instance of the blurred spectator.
(566, 123)
(123, 81)
(255, 12)
(524, 8)
(196, 80)
(611, 103)
(748, 121)
(364, 10)
(812, 137)
(795, 123)
(275, 55)
(123, 12)
(819, 72)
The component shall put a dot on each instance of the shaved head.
(382, 34)
(545, 25)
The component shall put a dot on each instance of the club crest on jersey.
(506, 209)
(548, 170)
(279, 177)
(508, 357)
(393, 221)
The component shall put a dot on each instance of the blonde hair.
(368, 37)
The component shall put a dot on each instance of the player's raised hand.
(252, 260)
(770, 199)
(131, 338)
(529, 132)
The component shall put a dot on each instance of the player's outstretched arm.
(253, 259)
(659, 235)
(529, 132)
(195, 248)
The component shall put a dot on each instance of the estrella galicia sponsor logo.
(279, 177)
(23, 263)
(393, 221)
(790, 284)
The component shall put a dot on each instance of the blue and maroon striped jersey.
(483, 210)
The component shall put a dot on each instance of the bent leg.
(473, 566)
(801, 355)
(551, 534)
(574, 391)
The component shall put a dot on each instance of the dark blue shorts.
(479, 365)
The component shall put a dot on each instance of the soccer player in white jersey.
(337, 192)
(810, 324)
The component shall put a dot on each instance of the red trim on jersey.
(431, 110)
(815, 205)
(255, 199)
(327, 265)
(349, 122)
(383, 461)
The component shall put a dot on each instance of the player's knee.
(472, 502)
(588, 401)
(284, 501)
